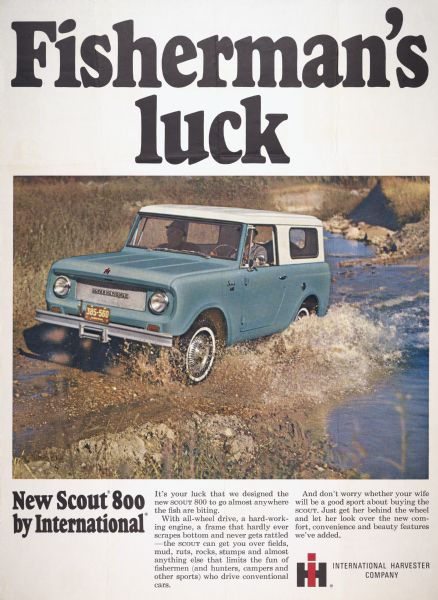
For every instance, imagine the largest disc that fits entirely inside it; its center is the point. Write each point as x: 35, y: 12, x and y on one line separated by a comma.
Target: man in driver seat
x: 176, y: 238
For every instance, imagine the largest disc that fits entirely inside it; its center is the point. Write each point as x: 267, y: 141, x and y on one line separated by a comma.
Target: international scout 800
x: 196, y: 278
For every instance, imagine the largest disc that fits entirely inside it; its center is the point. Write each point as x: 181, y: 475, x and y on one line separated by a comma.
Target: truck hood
x: 139, y: 267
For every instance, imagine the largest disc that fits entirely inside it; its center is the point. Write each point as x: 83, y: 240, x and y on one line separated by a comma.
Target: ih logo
x: 311, y: 574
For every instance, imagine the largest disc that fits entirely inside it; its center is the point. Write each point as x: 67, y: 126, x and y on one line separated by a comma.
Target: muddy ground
x: 105, y: 417
x: 96, y: 412
x: 114, y: 424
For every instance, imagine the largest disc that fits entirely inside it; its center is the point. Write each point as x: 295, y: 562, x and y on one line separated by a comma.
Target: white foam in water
x: 315, y: 361
x: 412, y: 324
x: 421, y: 340
x: 401, y: 300
x: 318, y: 359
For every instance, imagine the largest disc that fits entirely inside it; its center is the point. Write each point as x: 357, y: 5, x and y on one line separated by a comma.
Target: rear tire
x: 308, y: 307
x: 302, y: 313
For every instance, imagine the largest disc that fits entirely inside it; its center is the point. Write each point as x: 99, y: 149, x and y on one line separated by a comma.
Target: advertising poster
x: 217, y: 299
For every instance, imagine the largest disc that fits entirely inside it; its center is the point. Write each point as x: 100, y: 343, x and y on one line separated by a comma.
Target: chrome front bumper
x: 104, y: 333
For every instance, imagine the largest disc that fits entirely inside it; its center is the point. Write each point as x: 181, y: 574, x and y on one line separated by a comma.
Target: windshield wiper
x: 195, y: 252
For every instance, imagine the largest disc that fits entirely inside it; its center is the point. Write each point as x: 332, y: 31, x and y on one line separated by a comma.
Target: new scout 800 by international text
x: 195, y: 277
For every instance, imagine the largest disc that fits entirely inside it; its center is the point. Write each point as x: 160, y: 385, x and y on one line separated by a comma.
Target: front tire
x: 198, y: 348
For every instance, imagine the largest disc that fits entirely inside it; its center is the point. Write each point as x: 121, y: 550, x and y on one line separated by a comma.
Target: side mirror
x: 251, y: 265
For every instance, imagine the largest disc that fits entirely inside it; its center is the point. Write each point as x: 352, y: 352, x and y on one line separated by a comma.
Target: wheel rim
x: 200, y: 354
x: 303, y: 312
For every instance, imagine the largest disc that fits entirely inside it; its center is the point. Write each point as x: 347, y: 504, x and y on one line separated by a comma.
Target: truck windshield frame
x: 178, y: 234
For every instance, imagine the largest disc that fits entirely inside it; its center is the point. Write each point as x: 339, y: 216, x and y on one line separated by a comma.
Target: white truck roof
x: 224, y: 213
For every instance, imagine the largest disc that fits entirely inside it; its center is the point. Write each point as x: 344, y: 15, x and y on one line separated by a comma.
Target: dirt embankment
x: 199, y: 445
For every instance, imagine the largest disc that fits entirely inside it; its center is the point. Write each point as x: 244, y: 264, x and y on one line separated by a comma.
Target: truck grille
x: 109, y: 294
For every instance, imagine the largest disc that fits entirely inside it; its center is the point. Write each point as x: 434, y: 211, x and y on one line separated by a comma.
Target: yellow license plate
x: 99, y: 314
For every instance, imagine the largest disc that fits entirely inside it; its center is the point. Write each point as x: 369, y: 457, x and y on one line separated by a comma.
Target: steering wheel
x: 224, y: 251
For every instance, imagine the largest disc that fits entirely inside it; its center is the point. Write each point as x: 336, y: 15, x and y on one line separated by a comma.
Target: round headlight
x: 62, y: 286
x: 158, y: 302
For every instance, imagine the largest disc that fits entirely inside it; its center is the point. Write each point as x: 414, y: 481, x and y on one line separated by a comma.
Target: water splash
x: 313, y: 361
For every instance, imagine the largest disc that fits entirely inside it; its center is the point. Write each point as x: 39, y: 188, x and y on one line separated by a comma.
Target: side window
x: 260, y: 246
x: 303, y: 242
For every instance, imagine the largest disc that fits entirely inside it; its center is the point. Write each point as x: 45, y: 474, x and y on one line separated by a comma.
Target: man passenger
x: 253, y: 251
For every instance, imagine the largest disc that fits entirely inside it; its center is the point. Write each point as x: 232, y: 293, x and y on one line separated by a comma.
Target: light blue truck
x: 195, y: 278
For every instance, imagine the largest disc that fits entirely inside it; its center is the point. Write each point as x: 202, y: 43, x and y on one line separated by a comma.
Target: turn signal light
x: 55, y: 309
x: 155, y: 328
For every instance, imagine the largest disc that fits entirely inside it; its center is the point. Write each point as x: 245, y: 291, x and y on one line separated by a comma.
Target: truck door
x: 263, y: 284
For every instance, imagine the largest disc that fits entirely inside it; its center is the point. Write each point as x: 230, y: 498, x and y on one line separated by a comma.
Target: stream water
x: 384, y: 433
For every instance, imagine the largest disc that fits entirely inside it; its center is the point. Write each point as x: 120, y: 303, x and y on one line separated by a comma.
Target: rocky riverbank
x: 390, y: 245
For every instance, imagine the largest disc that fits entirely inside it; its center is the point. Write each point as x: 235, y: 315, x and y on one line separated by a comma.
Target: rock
x: 242, y: 448
x: 378, y: 235
x: 412, y: 240
x: 126, y: 470
x: 354, y: 233
x: 337, y: 224
x: 163, y: 431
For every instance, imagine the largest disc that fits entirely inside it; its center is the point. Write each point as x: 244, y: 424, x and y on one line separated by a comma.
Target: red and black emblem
x: 312, y: 574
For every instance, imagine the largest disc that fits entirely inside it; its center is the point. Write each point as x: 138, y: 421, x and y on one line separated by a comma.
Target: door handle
x: 282, y: 277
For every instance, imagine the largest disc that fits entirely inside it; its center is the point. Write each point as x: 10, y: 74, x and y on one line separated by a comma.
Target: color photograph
x: 221, y: 327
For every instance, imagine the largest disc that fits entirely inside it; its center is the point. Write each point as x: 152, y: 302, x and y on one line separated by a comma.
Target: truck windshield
x: 213, y: 239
